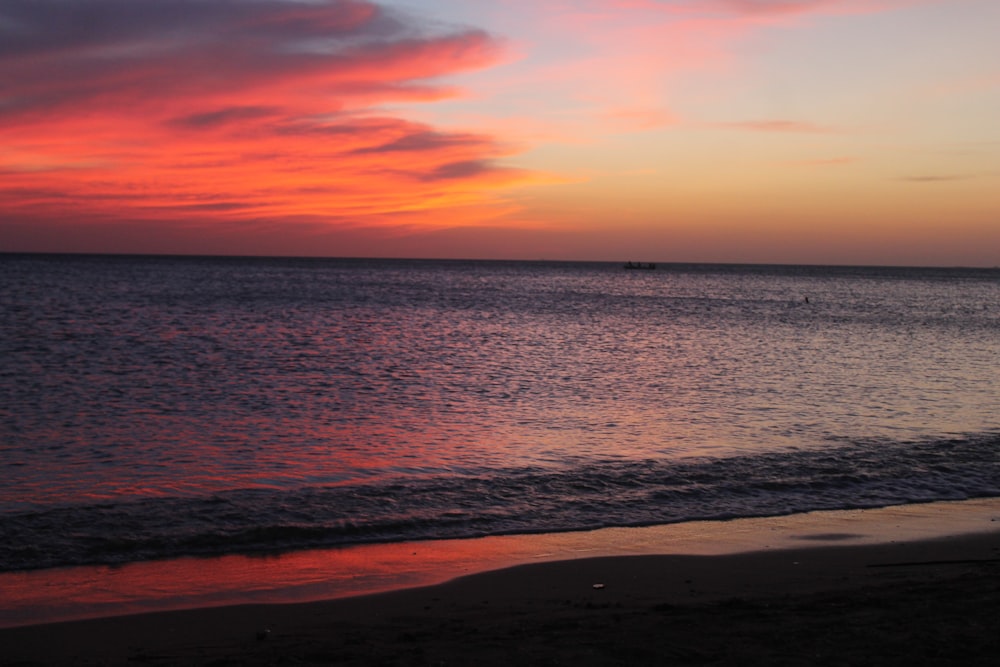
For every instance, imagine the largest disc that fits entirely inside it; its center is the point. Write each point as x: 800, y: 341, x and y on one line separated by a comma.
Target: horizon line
x: 658, y: 263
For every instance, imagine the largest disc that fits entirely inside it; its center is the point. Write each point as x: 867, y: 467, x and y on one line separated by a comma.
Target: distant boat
x: 639, y: 266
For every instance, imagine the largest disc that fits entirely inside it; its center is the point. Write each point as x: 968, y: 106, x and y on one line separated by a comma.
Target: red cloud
x: 262, y: 109
x: 125, y: 52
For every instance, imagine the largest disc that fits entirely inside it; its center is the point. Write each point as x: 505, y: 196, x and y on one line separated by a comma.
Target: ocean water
x: 153, y: 407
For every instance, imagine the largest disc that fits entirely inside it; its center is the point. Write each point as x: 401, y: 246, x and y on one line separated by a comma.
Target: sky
x: 752, y: 131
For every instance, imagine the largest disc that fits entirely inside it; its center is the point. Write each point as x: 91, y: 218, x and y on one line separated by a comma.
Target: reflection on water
x: 199, y: 405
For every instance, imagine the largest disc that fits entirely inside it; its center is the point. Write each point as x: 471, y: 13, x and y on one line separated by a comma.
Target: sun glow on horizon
x: 821, y: 131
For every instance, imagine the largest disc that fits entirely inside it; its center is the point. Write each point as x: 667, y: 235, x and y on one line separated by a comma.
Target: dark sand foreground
x: 914, y: 603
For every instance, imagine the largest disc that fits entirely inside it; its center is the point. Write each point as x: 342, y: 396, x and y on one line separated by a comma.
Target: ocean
x: 155, y: 407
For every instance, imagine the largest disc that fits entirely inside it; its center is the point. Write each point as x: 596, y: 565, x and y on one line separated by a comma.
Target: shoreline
x: 911, y: 602
x: 82, y: 593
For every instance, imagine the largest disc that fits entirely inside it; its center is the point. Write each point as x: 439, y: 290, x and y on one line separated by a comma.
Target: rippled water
x: 158, y: 406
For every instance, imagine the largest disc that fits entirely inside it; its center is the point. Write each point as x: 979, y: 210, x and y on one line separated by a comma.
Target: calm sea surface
x: 153, y: 407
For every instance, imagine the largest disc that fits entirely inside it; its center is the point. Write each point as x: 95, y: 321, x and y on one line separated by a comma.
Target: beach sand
x: 923, y: 602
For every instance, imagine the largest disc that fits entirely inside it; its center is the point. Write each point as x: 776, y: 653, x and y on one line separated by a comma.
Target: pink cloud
x: 777, y: 125
x: 763, y: 8
x: 641, y: 119
x: 262, y: 109
x: 598, y: 61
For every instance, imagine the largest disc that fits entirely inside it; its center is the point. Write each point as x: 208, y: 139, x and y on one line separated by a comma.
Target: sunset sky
x: 791, y: 131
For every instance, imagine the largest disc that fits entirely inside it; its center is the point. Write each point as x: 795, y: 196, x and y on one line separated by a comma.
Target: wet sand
x: 918, y: 602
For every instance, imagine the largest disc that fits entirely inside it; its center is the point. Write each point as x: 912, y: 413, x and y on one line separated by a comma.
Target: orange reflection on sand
x: 85, y: 592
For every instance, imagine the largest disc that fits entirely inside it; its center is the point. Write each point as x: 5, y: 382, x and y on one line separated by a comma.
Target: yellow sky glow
x: 812, y: 131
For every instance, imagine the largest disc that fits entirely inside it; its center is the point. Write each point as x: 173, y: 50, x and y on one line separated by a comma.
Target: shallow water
x: 153, y: 407
x: 58, y: 594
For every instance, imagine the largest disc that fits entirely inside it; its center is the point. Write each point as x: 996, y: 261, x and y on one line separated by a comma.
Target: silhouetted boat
x: 634, y: 266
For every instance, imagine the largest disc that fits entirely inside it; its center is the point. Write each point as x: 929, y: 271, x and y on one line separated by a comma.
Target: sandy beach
x: 900, y: 602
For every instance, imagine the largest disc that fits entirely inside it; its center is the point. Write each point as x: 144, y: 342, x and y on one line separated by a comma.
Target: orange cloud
x: 264, y: 110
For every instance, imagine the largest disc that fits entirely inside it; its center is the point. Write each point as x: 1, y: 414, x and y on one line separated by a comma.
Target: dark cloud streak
x: 31, y: 27
x: 464, y: 169
x: 103, y: 54
x: 424, y: 141
x: 221, y: 117
x: 932, y: 178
